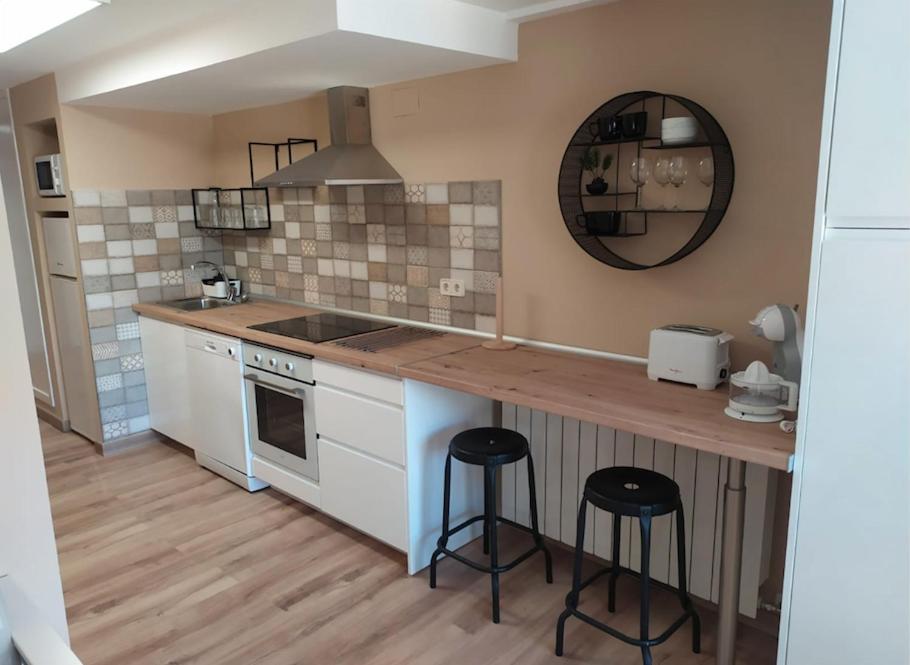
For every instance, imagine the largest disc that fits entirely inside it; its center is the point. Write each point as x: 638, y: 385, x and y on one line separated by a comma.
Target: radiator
x: 566, y: 451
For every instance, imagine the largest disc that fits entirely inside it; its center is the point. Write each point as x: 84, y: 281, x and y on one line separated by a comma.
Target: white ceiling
x: 527, y: 10
x: 210, y: 56
x: 108, y: 27
x: 290, y: 72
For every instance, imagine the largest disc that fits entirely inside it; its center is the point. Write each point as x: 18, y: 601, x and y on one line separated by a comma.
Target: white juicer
x: 759, y: 396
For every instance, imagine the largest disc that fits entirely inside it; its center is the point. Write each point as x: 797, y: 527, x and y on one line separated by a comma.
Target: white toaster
x: 689, y: 354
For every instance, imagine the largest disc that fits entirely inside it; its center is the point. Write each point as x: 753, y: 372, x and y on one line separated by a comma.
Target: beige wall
x: 304, y: 118
x: 113, y: 148
x: 758, y: 67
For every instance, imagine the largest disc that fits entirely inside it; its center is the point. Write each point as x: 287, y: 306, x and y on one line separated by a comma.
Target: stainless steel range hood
x: 351, y: 159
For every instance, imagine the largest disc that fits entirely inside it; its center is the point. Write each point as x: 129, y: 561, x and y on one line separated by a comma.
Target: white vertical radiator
x: 566, y: 451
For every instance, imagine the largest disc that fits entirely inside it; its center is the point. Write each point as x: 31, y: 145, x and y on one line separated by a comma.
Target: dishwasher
x: 219, y: 428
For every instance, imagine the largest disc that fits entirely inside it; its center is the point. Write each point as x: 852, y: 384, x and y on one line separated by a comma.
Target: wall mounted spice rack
x: 574, y: 203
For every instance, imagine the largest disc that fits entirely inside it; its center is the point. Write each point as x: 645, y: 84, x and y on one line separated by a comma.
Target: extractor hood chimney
x: 351, y: 159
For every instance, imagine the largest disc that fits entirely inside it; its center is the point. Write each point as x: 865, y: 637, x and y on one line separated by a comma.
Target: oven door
x: 282, y: 422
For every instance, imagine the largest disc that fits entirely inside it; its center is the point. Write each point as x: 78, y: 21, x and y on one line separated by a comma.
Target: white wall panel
x: 567, y: 451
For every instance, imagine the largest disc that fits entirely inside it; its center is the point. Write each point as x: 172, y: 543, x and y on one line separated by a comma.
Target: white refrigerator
x: 72, y: 342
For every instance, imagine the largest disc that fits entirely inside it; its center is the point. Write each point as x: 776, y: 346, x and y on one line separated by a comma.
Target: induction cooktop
x: 321, y: 327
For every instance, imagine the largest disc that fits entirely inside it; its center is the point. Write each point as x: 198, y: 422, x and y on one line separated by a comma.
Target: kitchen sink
x: 196, y: 304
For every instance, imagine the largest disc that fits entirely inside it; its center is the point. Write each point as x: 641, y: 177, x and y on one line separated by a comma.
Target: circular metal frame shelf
x: 571, y: 198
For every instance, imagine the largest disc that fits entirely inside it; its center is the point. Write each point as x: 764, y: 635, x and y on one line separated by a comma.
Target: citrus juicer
x: 758, y: 396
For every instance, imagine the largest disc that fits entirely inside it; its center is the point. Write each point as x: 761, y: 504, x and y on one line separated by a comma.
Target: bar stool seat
x: 491, y: 448
x: 624, y: 490
x: 642, y: 494
x: 488, y: 446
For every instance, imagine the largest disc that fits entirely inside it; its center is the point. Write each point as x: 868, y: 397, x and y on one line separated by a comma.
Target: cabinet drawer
x: 365, y: 493
x: 365, y: 424
x: 287, y: 482
x: 373, y: 385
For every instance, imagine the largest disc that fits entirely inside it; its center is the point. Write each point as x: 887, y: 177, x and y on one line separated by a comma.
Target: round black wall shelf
x: 621, y: 212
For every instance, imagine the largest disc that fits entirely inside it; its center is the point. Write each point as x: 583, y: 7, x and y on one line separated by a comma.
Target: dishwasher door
x: 218, y: 405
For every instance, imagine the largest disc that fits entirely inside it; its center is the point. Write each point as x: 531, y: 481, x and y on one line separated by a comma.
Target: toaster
x: 689, y: 354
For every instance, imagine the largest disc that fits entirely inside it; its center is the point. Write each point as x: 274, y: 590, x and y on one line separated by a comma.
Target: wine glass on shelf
x: 705, y: 173
x: 639, y: 173
x: 678, y: 172
x: 662, y: 175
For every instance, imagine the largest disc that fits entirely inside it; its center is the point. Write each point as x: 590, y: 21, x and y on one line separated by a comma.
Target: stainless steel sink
x: 197, y: 304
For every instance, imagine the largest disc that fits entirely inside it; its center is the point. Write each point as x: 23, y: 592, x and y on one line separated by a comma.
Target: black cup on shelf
x: 600, y: 222
x: 634, y: 125
x: 606, y: 129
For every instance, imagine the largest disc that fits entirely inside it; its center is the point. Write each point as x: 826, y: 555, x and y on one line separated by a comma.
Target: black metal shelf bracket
x: 276, y: 147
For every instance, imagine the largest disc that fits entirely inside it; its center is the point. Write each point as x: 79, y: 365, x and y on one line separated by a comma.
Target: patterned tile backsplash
x: 379, y: 248
x: 135, y: 246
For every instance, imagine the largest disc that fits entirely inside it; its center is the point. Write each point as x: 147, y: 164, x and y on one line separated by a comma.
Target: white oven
x: 279, y: 394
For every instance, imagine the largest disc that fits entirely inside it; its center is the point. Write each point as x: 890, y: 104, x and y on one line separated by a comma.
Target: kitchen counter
x: 235, y: 319
x: 606, y: 392
x: 611, y: 393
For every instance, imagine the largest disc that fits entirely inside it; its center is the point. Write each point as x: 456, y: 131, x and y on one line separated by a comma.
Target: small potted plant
x: 596, y: 166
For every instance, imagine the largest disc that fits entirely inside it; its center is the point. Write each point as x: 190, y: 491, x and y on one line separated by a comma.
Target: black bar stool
x: 643, y: 494
x: 491, y: 448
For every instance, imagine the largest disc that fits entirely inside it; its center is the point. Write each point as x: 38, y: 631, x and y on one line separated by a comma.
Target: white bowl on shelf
x: 678, y: 130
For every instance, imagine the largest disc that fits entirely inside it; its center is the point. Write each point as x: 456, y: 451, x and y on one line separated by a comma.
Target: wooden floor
x: 164, y: 562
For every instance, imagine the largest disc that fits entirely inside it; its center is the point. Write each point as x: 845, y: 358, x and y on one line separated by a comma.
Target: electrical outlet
x: 452, y: 287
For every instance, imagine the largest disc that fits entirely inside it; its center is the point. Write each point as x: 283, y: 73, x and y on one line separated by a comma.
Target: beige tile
x: 418, y: 313
x: 418, y: 276
x: 460, y: 192
x: 415, y: 214
x: 485, y: 303
x: 169, y: 246
x: 396, y: 274
x: 438, y: 215
x: 92, y: 250
x: 146, y: 263
x: 377, y: 272
x: 485, y: 260
x: 115, y: 215
x: 88, y: 216
x: 438, y: 257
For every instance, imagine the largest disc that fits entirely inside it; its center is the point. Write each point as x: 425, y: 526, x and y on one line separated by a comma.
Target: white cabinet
x: 368, y: 494
x: 215, y: 370
x: 360, y: 422
x: 167, y: 382
x: 373, y: 427
x: 850, y: 598
x: 847, y: 584
x: 869, y: 171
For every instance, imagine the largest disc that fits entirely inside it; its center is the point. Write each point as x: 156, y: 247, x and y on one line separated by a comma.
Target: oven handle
x: 255, y: 379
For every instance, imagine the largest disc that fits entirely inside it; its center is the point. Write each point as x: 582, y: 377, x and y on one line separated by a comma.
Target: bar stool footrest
x: 538, y: 547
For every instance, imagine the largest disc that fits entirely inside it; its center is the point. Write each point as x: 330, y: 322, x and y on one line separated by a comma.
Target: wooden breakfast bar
x: 619, y: 395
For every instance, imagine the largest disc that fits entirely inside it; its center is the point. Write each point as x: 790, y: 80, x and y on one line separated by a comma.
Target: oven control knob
x: 273, y: 362
x: 231, y: 352
x: 258, y: 358
x: 289, y: 367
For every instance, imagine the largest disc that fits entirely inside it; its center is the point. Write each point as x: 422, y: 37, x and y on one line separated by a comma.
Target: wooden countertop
x: 234, y: 321
x: 606, y: 392
x: 610, y: 393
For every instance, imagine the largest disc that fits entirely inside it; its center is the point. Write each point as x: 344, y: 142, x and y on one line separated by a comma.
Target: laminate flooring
x: 166, y: 563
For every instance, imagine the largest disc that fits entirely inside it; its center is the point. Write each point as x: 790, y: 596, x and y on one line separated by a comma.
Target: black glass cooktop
x: 321, y: 327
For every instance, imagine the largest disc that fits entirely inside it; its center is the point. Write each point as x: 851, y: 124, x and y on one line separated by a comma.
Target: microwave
x: 49, y: 175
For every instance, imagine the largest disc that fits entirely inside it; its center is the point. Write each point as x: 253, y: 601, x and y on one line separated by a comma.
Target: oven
x: 279, y: 394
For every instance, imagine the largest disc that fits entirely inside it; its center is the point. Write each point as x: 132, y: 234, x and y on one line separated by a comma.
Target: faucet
x: 232, y: 296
